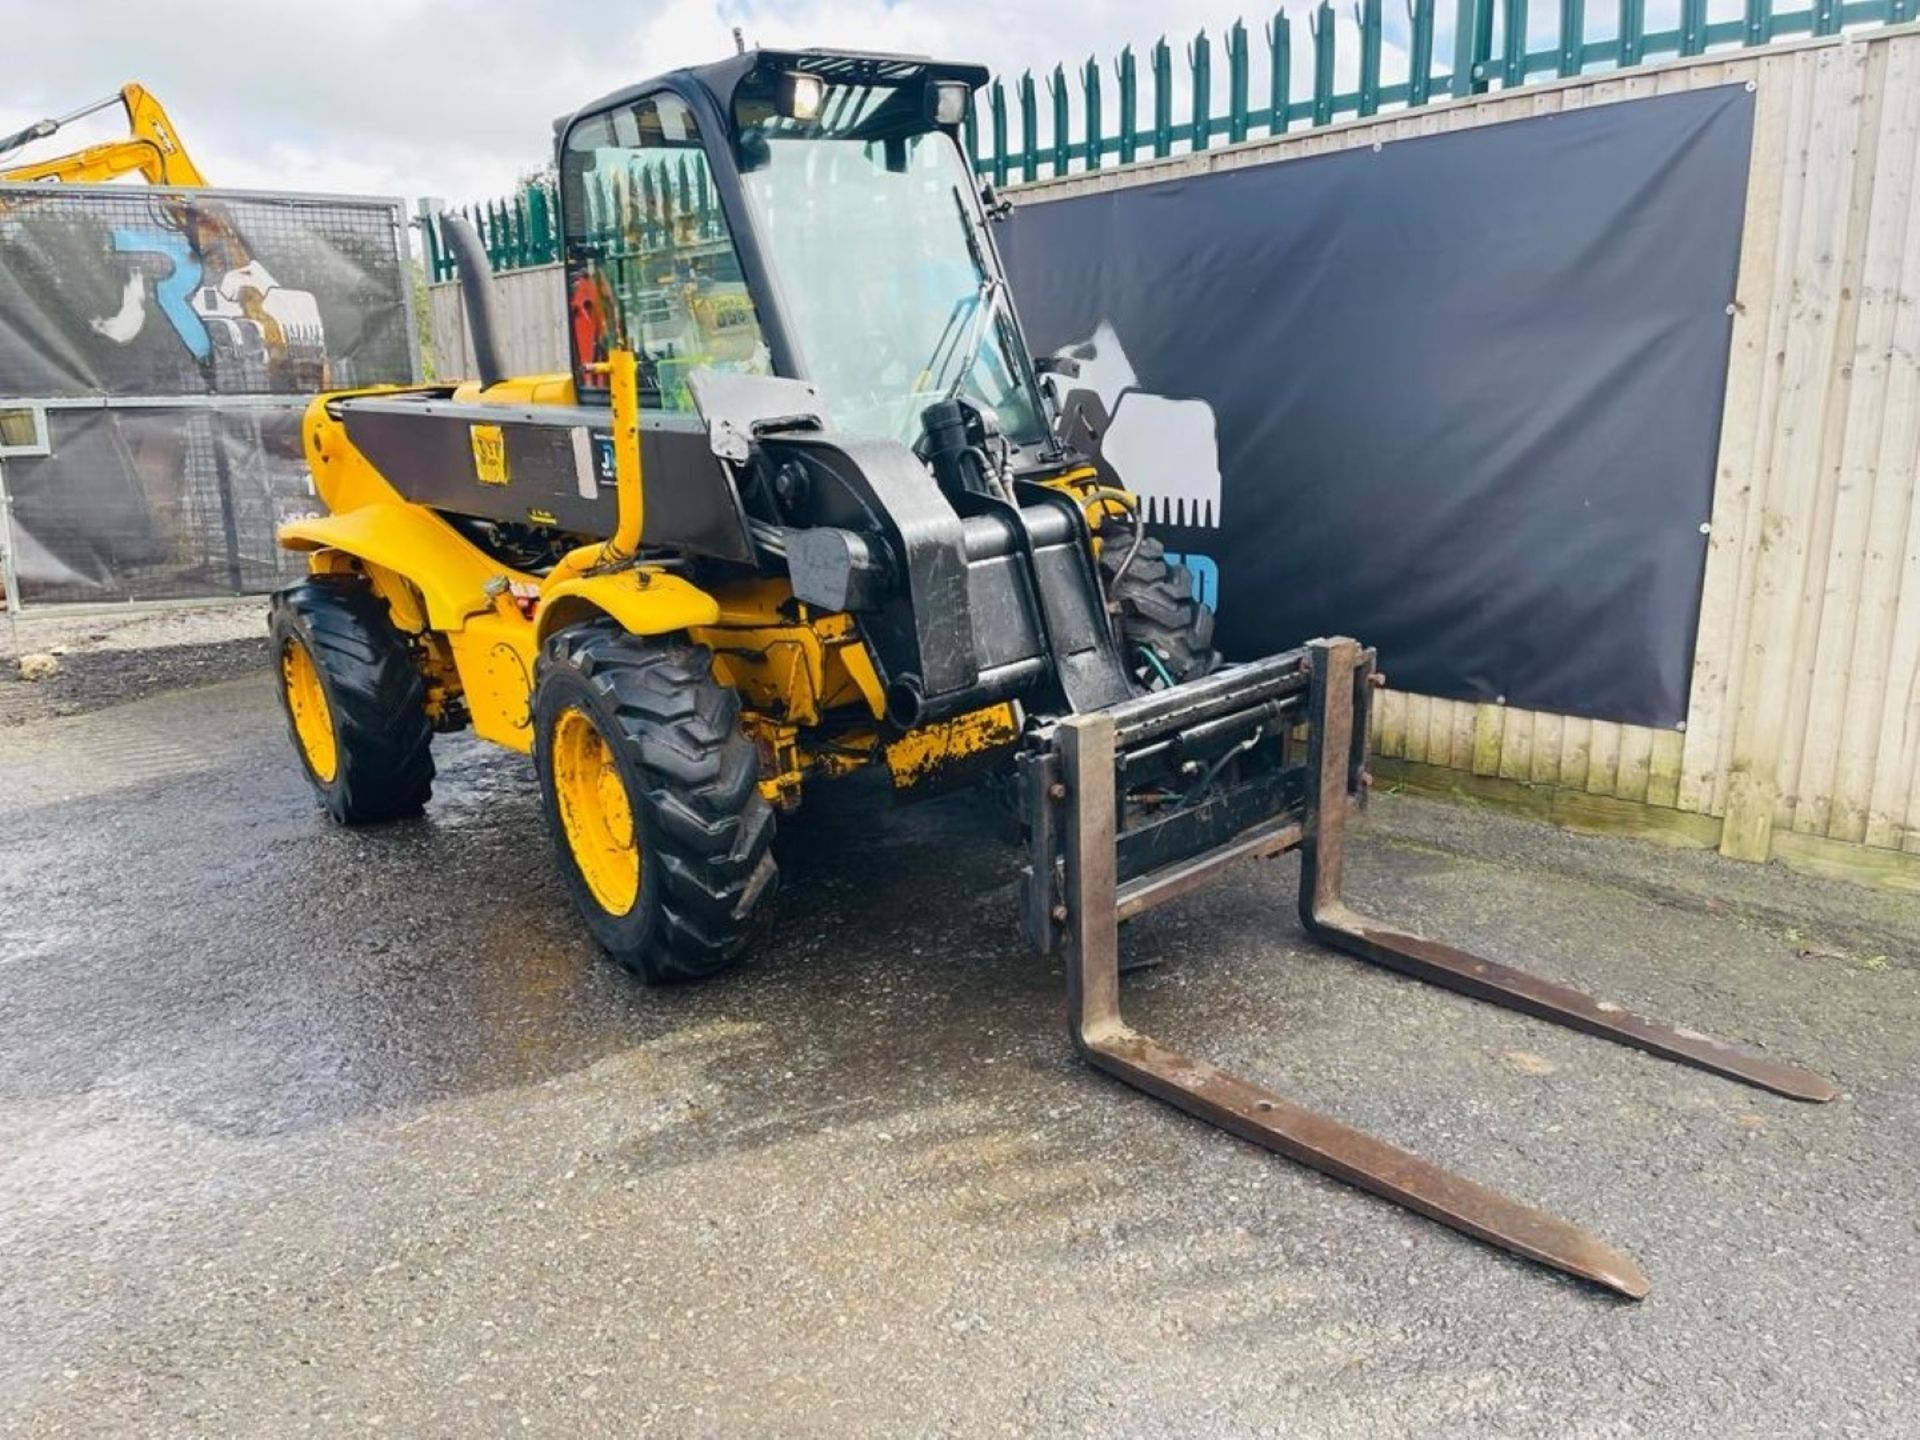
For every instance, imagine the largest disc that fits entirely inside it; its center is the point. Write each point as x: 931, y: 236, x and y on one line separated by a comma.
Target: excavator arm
x: 152, y: 147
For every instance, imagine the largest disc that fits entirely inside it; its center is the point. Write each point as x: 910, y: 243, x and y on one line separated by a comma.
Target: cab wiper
x: 941, y: 356
x: 961, y: 338
x: 981, y: 303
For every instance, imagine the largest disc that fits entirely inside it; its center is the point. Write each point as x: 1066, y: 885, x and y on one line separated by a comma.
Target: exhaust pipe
x: 476, y: 295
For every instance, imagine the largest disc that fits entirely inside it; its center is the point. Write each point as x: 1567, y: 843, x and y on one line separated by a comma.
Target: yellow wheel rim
x: 307, y: 704
x: 595, y: 813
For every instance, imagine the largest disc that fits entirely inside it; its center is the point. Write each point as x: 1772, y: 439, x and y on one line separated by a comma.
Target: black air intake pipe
x: 462, y: 241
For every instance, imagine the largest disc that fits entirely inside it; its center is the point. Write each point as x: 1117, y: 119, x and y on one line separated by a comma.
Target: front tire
x: 652, y: 794
x: 1166, y: 633
x: 354, y: 700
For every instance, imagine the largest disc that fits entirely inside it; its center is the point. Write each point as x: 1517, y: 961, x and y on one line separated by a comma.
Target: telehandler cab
x: 799, y: 509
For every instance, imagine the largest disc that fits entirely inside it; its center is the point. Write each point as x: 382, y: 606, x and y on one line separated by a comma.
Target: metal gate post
x: 9, y: 585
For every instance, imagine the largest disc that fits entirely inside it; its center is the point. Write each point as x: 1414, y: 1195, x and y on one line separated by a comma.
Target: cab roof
x: 836, y: 67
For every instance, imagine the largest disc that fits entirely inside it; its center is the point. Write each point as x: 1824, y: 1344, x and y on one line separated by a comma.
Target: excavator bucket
x: 1144, y: 801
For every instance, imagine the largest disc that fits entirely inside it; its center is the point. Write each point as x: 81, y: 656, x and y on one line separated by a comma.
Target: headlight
x: 801, y: 95
x: 947, y: 105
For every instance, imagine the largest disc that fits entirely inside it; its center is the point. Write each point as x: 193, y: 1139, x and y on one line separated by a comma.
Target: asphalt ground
x: 306, y: 1131
x: 103, y: 656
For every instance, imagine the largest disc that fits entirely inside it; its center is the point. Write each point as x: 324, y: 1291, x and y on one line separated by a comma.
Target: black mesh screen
x: 121, y: 290
x: 158, y: 504
x: 151, y: 297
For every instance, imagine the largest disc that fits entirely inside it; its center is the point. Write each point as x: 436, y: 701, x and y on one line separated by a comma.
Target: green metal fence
x: 519, y: 232
x: 1496, y: 44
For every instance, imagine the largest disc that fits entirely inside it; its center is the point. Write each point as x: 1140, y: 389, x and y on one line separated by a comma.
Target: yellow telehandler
x: 796, y: 509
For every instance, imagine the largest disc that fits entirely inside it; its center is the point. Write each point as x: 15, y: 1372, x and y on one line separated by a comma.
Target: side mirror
x: 751, y: 151
x: 1052, y: 371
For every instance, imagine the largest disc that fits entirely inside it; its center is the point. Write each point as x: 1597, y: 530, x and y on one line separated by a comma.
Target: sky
x: 456, y: 100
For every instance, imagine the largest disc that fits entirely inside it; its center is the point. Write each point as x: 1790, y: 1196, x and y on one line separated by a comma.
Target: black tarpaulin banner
x: 158, y: 503
x: 1459, y: 397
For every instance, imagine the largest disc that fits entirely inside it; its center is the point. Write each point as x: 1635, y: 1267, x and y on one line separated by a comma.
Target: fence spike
x: 1366, y: 15
x: 1693, y: 26
x: 430, y: 242
x: 1419, y: 52
x: 1473, y: 47
x: 1029, y: 129
x: 540, y: 213
x: 1323, y: 27
x: 1573, y: 36
x: 1513, y: 46
x: 1162, y: 98
x: 1237, y: 116
x: 997, y: 106
x: 1090, y: 101
x: 1280, y: 72
x: 1633, y: 32
x: 1062, y: 123
x: 1200, y: 69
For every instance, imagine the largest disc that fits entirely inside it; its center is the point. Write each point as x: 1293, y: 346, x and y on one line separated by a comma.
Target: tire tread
x: 375, y: 691
x: 709, y: 829
x: 1158, y: 610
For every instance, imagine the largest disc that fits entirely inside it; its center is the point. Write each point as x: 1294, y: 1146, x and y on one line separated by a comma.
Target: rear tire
x: 1159, y: 616
x: 354, y: 701
x: 652, y: 793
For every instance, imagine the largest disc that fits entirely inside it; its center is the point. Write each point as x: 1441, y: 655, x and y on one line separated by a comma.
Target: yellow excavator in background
x: 152, y: 147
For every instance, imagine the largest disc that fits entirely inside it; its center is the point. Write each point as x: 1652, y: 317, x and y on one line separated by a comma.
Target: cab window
x: 650, y: 262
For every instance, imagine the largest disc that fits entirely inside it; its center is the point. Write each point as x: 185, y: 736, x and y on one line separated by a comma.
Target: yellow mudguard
x: 412, y: 542
x: 647, y: 602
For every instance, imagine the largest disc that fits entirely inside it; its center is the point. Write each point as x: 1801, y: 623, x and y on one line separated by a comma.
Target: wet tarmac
x: 306, y: 1131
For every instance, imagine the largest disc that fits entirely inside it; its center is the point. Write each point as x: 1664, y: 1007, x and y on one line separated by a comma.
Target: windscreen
x: 892, y: 293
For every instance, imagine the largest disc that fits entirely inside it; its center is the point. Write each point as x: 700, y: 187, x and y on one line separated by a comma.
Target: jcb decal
x: 489, y: 454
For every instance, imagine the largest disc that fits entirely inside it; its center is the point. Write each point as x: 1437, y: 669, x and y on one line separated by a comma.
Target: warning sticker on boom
x: 489, y: 454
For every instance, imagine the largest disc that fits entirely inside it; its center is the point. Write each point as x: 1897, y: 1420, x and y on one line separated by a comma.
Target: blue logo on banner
x: 173, y: 289
x: 1206, y: 577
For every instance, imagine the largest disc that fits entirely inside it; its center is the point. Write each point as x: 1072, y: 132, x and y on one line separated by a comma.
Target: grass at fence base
x: 1605, y: 815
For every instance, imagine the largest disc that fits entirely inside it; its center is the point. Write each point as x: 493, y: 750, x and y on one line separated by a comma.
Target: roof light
x: 947, y: 104
x: 800, y: 95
